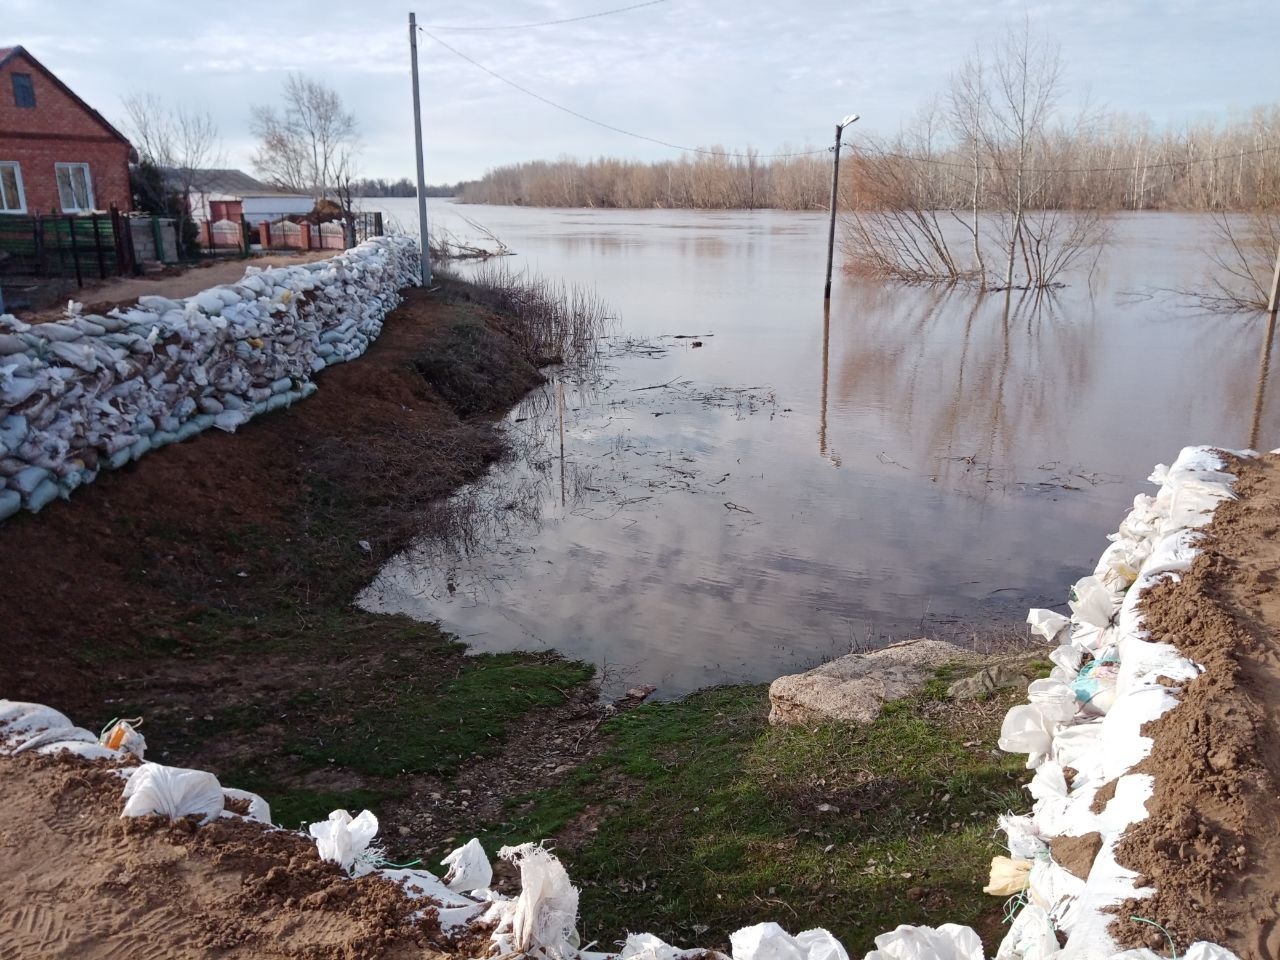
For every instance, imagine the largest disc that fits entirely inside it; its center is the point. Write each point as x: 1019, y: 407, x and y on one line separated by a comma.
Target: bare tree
x: 310, y: 142
x: 179, y: 143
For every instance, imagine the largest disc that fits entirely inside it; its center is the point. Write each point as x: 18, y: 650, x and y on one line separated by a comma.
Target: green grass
x: 706, y: 819
x: 416, y: 725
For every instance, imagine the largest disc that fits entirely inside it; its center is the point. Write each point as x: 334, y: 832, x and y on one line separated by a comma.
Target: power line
x: 548, y: 23
x: 609, y: 126
x: 937, y: 161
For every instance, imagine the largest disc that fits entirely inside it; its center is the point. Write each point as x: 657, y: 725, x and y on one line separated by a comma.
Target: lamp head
x: 851, y: 118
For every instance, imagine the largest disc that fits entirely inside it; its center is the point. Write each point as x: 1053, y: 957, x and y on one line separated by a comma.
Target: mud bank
x: 209, y: 586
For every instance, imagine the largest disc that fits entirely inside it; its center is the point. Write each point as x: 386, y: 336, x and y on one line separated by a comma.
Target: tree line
x: 1114, y: 162
x: 404, y: 187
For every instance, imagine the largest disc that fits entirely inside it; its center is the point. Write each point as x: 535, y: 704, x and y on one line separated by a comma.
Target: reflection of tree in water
x: 965, y: 376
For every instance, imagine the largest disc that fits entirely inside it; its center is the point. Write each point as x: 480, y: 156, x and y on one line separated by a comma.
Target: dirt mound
x: 1211, y: 845
x: 78, y: 881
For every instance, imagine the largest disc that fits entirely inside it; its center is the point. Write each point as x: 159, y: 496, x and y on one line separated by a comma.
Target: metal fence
x: 92, y: 246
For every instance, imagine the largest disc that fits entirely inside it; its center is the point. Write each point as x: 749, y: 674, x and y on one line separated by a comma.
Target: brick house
x: 57, y: 154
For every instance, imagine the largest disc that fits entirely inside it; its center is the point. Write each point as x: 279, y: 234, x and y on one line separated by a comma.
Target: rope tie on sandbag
x: 135, y: 722
x: 401, y: 866
x: 1173, y: 948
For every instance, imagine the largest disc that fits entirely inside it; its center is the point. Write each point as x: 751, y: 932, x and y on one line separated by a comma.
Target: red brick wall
x: 58, y: 130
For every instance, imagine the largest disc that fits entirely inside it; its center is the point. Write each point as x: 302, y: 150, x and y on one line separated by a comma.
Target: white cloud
x: 687, y: 71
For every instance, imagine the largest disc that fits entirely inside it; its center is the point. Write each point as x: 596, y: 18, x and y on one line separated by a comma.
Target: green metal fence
x: 90, y: 246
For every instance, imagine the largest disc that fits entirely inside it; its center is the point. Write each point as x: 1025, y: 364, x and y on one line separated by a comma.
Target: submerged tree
x: 1005, y: 166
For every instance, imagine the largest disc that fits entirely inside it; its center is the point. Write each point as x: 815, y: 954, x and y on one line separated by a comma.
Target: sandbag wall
x: 91, y: 392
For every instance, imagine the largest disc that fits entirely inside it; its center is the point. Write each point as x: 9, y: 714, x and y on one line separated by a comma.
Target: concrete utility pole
x: 835, y: 187
x: 417, y: 143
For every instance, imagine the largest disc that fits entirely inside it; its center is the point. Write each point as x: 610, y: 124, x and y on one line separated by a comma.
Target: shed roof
x: 232, y: 182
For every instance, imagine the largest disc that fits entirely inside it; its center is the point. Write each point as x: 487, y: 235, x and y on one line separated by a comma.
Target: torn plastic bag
x: 951, y: 941
x: 1095, y: 685
x: 645, y: 946
x: 346, y: 841
x: 172, y: 792
x: 1008, y: 876
x: 1023, y: 837
x: 469, y: 868
x: 1030, y: 937
x: 259, y: 809
x: 545, y: 914
x: 1093, y: 603
x: 123, y: 736
x: 1046, y: 623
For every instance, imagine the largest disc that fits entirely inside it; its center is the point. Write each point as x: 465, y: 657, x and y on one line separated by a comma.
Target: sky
x: 734, y: 73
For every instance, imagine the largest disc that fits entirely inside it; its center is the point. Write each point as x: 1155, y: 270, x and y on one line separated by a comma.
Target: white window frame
x: 22, y: 192
x: 88, y: 182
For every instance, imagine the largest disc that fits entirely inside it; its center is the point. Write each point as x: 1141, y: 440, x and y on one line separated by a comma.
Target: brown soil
x: 1211, y: 845
x: 1076, y: 854
x: 209, y: 587
x: 76, y: 881
x: 1104, y: 795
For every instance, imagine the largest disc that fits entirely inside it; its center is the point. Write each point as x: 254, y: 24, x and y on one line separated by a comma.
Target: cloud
x: 694, y: 72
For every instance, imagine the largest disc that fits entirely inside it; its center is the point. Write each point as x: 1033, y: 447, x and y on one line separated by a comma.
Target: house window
x: 12, y: 198
x: 75, y: 187
x: 24, y: 94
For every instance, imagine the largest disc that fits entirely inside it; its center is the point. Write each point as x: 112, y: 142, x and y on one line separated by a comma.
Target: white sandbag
x: 951, y: 941
x: 345, y: 840
x: 1047, y: 624
x: 259, y: 809
x: 469, y: 867
x: 28, y: 726
x: 172, y: 792
x: 1031, y: 936
x: 1200, y: 950
x: 81, y: 748
x: 1023, y: 839
x: 764, y: 941
x: 645, y: 946
x: 545, y: 914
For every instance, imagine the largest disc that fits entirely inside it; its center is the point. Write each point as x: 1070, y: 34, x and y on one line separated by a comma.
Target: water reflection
x: 672, y: 516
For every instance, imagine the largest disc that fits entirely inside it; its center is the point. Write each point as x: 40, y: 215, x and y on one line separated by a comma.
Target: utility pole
x: 835, y: 187
x: 417, y: 143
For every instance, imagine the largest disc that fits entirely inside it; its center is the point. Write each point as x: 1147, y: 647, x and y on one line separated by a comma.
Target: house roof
x: 9, y: 53
x: 234, y: 183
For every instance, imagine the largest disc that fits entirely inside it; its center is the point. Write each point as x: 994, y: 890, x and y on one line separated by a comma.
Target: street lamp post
x: 835, y: 187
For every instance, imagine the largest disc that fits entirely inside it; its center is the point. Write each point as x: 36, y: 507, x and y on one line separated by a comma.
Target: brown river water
x: 916, y: 461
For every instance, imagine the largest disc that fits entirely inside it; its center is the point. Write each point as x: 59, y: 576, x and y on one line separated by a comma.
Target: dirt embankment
x: 1211, y: 845
x: 78, y: 881
x: 209, y: 588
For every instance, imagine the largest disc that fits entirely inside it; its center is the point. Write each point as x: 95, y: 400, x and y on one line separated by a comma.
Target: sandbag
x: 469, y: 867
x: 345, y: 840
x: 172, y: 792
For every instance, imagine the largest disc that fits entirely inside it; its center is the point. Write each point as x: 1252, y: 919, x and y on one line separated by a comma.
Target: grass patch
x: 415, y: 724
x: 700, y: 818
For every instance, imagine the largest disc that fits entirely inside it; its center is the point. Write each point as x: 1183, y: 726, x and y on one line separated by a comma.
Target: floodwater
x: 806, y: 483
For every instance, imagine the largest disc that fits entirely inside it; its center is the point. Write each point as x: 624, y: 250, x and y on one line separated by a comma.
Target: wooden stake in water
x: 560, y: 404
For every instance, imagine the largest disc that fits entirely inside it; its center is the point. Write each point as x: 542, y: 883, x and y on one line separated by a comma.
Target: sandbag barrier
x: 1087, y: 715
x: 94, y: 392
